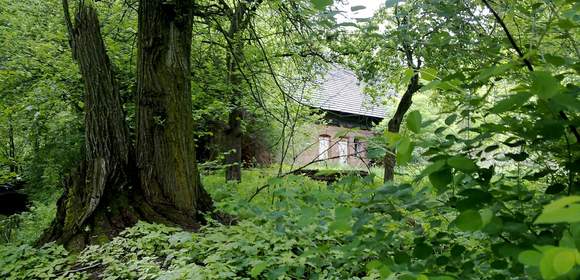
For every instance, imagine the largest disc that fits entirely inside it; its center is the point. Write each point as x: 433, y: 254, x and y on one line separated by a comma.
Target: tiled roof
x: 341, y: 91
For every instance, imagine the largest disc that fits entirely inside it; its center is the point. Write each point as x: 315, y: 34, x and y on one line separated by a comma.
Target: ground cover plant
x: 165, y: 147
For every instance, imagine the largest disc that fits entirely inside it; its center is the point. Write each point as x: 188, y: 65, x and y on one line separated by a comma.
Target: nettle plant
x: 512, y: 154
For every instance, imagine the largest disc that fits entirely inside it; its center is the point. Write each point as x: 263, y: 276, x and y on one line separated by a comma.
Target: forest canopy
x: 289, y: 139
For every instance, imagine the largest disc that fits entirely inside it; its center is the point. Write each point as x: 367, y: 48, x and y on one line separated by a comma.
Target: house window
x: 323, y: 146
x: 343, y: 151
x: 359, y: 148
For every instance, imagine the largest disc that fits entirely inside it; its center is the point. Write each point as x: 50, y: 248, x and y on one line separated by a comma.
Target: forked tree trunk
x: 165, y: 147
x: 104, y: 195
x: 394, y: 125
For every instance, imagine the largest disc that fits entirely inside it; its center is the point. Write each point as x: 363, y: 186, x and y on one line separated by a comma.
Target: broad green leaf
x: 321, y: 4
x: 555, y: 188
x: 555, y: 60
x: 530, y: 257
x: 451, y: 119
x: 462, y: 163
x: 357, y: 8
x: 258, y: 269
x: 511, y: 102
x: 376, y: 265
x: 544, y: 84
x: 392, y: 138
x: 563, y: 210
x: 422, y: 251
x: 414, y: 121
x: 407, y: 75
x: 434, y: 167
x: 342, y: 217
x: 556, y: 261
x: 428, y: 74
x: 347, y: 24
x: 564, y: 260
x: 440, y: 179
x: 343, y: 213
x: 486, y: 216
x: 404, y: 150
x: 469, y: 220
x: 485, y: 74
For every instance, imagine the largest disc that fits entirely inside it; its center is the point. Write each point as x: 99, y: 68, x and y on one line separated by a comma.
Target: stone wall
x: 310, y: 151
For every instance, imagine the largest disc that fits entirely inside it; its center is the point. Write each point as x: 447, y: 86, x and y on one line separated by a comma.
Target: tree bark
x: 11, y: 145
x: 233, y: 132
x: 165, y: 147
x: 107, y: 151
x: 105, y: 194
x: 239, y: 18
x: 394, y: 125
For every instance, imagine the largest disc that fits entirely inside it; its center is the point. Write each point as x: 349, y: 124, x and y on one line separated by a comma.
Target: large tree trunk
x: 104, y: 194
x: 104, y: 172
x: 165, y: 147
x: 394, y: 125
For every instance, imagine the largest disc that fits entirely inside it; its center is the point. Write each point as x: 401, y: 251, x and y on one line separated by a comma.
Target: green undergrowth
x: 298, y: 228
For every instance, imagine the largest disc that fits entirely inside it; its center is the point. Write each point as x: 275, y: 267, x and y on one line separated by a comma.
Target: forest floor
x: 293, y: 228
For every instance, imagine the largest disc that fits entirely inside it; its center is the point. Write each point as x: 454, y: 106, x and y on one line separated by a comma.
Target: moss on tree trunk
x: 112, y: 189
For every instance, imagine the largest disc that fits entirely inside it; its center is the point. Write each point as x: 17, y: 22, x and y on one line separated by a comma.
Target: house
x: 341, y: 139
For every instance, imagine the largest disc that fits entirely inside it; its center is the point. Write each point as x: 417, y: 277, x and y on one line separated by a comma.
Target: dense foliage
x: 488, y: 158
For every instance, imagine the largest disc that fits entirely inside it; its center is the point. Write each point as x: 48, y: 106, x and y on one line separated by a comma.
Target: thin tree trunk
x: 11, y: 145
x: 165, y: 147
x: 394, y: 125
x: 233, y: 132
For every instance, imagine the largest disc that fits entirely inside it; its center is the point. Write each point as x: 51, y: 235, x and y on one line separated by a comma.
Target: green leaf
x: 343, y: 213
x: 564, y: 260
x: 383, y: 270
x: 486, y: 216
x: 544, y: 84
x: 422, y: 251
x: 485, y: 74
x: 511, y: 102
x: 469, y: 220
x: 451, y: 119
x: 321, y: 4
x: 434, y: 167
x: 556, y: 261
x: 357, y: 8
x: 530, y: 257
x: 414, y: 121
x: 563, y: 210
x: 462, y: 163
x: 342, y: 217
x: 555, y: 188
x: 404, y: 150
x: 440, y: 179
x: 407, y: 76
x: 257, y: 269
x: 555, y: 60
x: 428, y: 74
